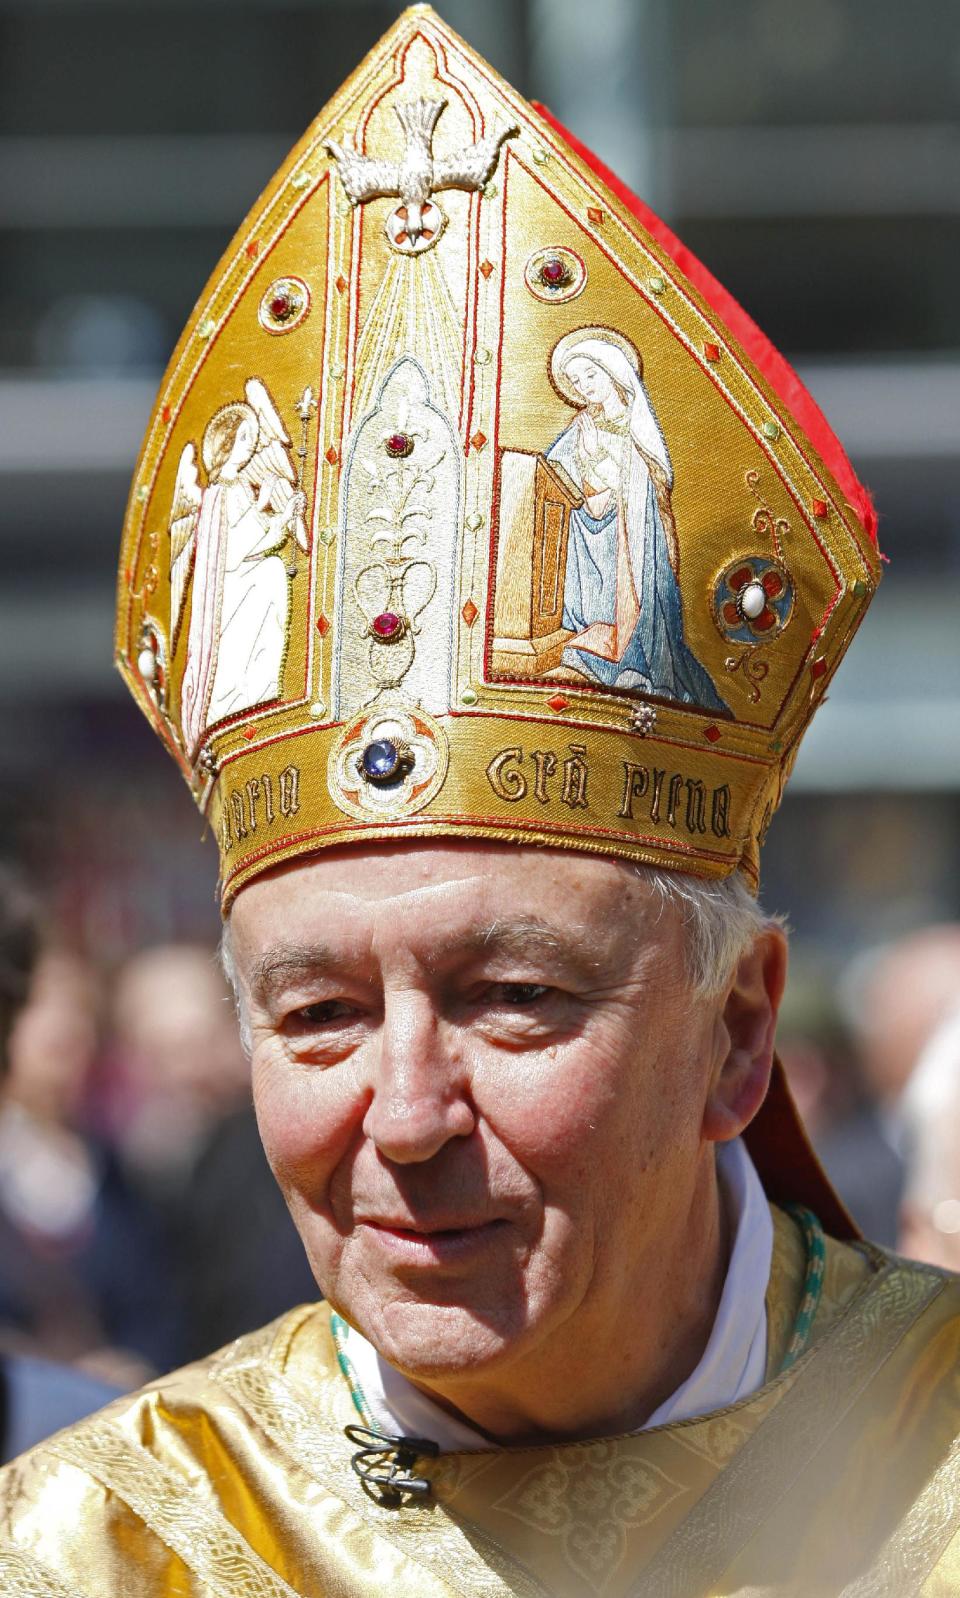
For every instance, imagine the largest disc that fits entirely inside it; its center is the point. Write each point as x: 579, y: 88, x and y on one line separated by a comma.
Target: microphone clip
x: 385, y: 1464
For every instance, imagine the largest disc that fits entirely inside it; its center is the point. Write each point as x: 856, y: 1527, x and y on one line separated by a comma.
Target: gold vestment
x: 232, y: 1478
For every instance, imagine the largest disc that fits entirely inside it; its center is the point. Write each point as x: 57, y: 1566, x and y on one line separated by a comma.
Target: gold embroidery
x: 918, y: 1542
x: 589, y: 1502
x: 22, y: 1576
x: 822, y: 1388
x: 429, y: 1535
x: 175, y: 1511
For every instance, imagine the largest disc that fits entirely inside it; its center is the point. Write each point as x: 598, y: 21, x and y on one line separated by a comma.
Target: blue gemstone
x: 381, y: 761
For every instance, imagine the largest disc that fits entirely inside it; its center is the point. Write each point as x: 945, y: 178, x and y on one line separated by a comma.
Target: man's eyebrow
x: 526, y: 938
x: 286, y: 960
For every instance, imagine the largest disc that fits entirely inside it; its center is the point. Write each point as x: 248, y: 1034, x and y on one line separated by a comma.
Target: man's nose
x: 420, y: 1098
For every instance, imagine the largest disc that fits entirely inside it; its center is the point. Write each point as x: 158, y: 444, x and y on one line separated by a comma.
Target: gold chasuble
x: 233, y: 1478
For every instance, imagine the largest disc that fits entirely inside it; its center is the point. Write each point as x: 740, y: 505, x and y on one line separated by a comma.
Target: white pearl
x: 147, y: 664
x: 753, y: 600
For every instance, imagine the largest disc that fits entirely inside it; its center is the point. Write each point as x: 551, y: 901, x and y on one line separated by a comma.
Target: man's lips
x: 418, y: 1243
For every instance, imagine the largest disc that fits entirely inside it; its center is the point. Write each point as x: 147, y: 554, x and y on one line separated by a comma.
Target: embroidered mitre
x: 472, y: 505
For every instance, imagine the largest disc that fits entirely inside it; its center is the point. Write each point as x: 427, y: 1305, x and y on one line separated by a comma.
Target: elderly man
x: 568, y: 557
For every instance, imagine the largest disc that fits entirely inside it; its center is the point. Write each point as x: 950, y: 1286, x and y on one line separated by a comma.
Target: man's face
x: 480, y: 1076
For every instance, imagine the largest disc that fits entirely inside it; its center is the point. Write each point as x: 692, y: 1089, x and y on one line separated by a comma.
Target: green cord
x: 816, y: 1252
x: 338, y: 1327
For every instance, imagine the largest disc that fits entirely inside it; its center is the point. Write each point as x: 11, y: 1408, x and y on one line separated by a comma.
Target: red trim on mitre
x: 768, y: 360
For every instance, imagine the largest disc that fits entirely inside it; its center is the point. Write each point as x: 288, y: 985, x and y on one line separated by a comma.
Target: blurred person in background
x: 187, y: 1135
x: 175, y: 1065
x: 822, y: 1064
x: 36, y: 1396
x: 893, y: 999
x: 85, y: 1276
x: 930, y: 1115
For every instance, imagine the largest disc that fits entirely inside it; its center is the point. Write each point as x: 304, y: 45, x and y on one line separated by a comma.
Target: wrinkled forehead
x: 428, y: 888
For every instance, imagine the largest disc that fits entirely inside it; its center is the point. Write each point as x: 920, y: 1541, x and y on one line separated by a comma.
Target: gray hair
x: 720, y: 921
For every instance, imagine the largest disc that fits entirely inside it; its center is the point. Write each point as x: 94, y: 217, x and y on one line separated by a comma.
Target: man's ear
x: 744, y: 1038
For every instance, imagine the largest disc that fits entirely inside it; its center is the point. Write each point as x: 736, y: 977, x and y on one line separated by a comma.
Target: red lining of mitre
x: 768, y: 360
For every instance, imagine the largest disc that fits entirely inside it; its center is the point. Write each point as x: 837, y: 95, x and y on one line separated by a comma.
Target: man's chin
x: 428, y: 1341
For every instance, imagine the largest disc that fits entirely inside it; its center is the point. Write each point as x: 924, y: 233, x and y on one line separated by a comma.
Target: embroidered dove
x: 418, y: 174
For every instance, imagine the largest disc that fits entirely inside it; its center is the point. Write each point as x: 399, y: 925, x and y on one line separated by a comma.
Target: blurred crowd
x: 140, y: 1226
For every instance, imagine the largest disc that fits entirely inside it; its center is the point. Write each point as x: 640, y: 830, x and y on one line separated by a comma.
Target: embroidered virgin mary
x: 621, y: 597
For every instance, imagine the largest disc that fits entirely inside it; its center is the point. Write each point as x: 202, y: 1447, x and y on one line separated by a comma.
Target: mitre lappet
x: 471, y: 505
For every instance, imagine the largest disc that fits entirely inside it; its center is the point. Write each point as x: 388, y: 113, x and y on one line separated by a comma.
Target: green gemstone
x: 771, y: 430
x: 469, y: 696
x: 658, y: 283
x: 860, y: 588
x: 327, y: 535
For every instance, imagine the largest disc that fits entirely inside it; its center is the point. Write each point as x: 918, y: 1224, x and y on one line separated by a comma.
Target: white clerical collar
x: 732, y: 1367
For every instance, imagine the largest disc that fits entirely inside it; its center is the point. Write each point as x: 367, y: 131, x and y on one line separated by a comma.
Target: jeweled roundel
x: 363, y: 779
x: 555, y: 273
x: 284, y: 305
x: 752, y: 600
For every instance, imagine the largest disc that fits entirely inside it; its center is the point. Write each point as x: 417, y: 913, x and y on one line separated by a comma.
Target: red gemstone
x: 323, y: 626
x: 818, y: 668
x: 558, y: 702
x: 281, y: 307
x: 478, y: 440
x: 399, y: 444
x: 711, y: 733
x: 469, y: 613
x: 387, y: 625
x: 594, y: 214
x: 772, y: 585
x: 486, y: 267
x: 553, y: 273
x: 712, y: 352
x: 820, y: 508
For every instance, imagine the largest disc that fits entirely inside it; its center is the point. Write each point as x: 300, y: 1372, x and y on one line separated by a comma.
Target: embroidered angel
x: 232, y: 535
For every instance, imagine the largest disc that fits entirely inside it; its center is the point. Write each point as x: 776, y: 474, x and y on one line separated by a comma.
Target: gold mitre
x: 472, y: 506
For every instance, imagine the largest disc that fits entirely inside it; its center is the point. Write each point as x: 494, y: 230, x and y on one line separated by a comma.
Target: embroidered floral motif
x: 591, y: 1507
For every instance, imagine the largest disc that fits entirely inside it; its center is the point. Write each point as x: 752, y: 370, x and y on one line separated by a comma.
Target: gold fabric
x: 232, y: 1478
x: 359, y: 508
